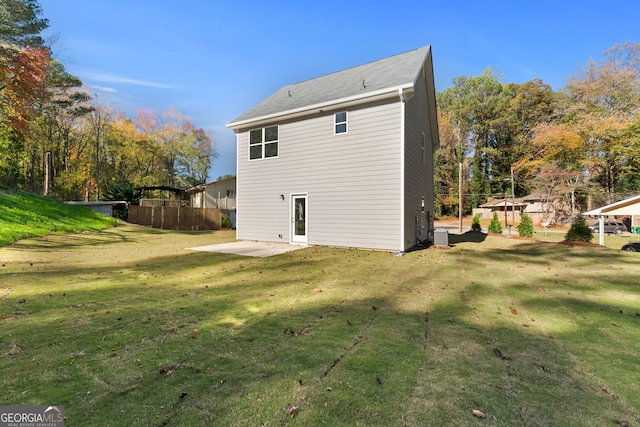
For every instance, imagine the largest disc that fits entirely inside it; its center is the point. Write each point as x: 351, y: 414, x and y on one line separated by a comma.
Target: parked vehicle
x: 632, y: 247
x: 616, y: 227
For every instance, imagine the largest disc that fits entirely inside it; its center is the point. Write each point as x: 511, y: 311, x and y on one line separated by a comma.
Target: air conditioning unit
x: 441, y: 237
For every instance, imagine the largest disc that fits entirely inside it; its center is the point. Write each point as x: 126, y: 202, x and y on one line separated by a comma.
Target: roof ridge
x: 357, y: 66
x: 362, y: 80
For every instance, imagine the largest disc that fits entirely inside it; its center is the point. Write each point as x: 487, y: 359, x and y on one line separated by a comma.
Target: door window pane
x: 300, y: 215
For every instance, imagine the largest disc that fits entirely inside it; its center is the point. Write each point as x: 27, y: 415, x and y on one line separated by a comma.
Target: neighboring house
x: 513, y: 207
x: 540, y: 210
x: 345, y: 159
x: 220, y: 194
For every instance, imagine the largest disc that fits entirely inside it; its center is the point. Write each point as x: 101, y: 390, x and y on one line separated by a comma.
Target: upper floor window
x: 341, y: 122
x: 424, y: 151
x: 263, y: 143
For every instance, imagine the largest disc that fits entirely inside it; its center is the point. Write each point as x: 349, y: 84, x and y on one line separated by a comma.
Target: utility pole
x: 506, y: 221
x: 513, y: 200
x: 460, y: 196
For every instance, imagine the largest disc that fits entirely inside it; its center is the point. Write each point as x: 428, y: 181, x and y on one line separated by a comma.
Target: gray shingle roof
x: 392, y: 72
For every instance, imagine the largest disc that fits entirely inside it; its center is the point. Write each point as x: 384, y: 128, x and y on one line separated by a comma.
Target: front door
x: 299, y: 219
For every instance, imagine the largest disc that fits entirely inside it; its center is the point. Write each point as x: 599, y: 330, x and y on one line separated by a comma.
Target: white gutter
x: 238, y: 198
x: 402, y: 160
x: 349, y: 101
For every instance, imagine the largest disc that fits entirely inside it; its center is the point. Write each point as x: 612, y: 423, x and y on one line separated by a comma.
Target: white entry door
x: 299, y: 218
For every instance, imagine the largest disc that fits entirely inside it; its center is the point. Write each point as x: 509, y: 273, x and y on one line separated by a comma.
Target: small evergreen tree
x: 525, y: 228
x: 475, y: 223
x: 494, y: 225
x: 579, y: 231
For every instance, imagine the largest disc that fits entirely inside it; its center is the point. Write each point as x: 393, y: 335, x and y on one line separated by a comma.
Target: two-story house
x: 345, y: 159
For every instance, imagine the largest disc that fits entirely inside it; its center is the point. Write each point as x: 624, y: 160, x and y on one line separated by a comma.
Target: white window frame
x: 263, y: 143
x: 336, y: 123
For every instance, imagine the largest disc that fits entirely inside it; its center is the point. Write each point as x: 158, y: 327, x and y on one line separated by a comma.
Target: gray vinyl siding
x: 352, y: 180
x: 418, y: 175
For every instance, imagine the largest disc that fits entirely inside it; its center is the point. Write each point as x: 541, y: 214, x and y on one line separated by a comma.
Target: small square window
x: 271, y: 134
x: 263, y: 143
x: 341, y: 122
x: 255, y: 136
x: 271, y: 150
x: 255, y: 144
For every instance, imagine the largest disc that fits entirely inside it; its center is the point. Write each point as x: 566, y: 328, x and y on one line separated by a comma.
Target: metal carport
x: 630, y: 206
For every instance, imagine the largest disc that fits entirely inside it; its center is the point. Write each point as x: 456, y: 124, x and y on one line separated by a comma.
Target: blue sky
x: 212, y: 60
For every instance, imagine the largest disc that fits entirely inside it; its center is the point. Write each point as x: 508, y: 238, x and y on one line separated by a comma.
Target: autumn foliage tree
x: 492, y: 123
x: 448, y: 159
x: 583, y: 139
x: 184, y: 151
x: 23, y: 61
x: 604, y: 108
x: 23, y: 66
x: 44, y: 110
x: 23, y: 72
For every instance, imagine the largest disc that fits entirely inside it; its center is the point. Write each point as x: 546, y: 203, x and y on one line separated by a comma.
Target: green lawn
x: 126, y: 327
x: 26, y: 215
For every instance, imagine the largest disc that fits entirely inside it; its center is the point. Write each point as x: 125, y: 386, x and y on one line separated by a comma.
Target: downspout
x: 402, y: 172
x: 237, y: 181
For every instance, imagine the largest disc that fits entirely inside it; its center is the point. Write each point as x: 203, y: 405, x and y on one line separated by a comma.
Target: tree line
x: 53, y: 127
x: 572, y: 148
x: 578, y: 145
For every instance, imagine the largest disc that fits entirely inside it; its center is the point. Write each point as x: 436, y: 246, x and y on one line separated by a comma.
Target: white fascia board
x: 378, y: 95
x: 622, y: 207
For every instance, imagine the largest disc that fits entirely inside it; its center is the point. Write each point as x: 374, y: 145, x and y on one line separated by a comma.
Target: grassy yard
x: 128, y: 328
x: 27, y: 215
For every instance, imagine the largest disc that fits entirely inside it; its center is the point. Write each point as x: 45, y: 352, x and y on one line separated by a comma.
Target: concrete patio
x: 250, y: 248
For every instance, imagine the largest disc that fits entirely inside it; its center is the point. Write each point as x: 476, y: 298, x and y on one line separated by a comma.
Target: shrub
x: 475, y: 223
x: 579, y: 231
x: 494, y: 225
x: 525, y: 228
x: 226, y: 222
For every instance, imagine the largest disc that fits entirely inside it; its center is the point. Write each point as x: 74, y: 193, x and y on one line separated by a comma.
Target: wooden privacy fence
x: 173, y: 218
